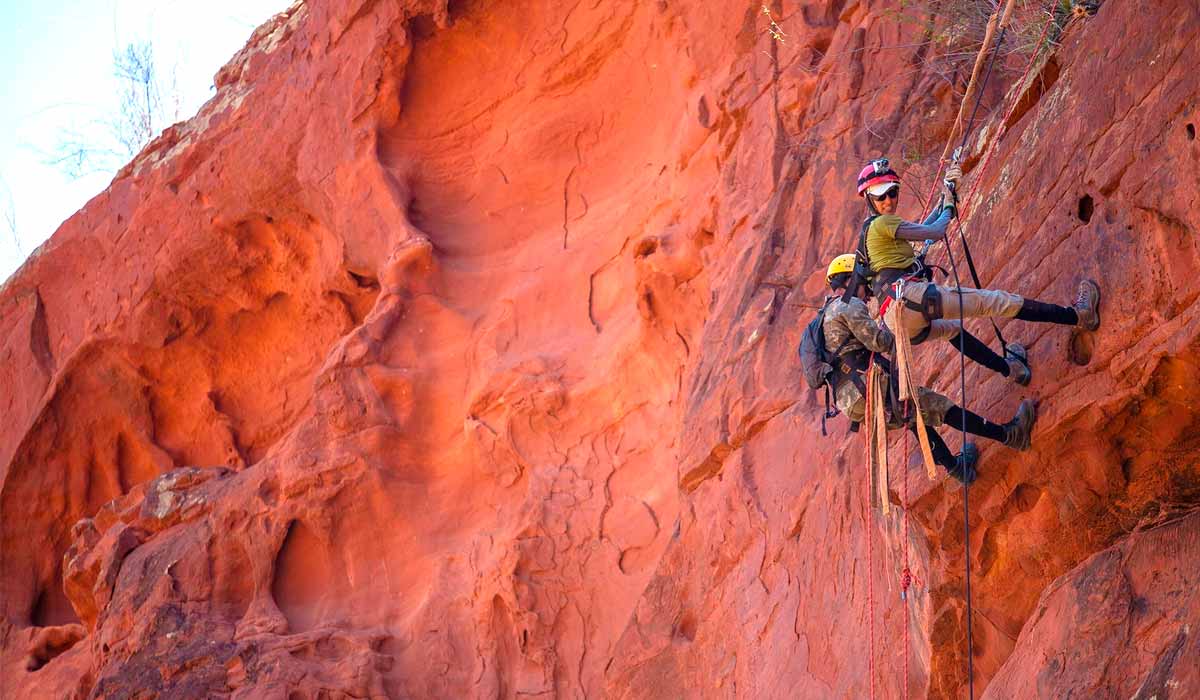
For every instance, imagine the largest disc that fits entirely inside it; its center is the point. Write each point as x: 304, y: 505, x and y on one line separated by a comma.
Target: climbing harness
x: 930, y: 306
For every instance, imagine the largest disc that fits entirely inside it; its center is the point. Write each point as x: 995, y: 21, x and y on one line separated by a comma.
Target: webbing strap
x: 876, y: 423
x: 908, y: 390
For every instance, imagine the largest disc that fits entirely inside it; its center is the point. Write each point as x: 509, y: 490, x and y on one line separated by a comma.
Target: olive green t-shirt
x: 884, y: 249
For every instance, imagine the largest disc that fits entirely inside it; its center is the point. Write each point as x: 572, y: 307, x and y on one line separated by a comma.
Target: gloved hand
x: 953, y: 174
x: 950, y: 188
x: 951, y: 179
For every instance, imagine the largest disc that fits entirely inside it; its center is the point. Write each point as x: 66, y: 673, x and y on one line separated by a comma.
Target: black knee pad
x: 931, y: 303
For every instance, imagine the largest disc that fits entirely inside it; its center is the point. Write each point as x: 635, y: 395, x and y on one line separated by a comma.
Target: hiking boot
x: 1018, y: 363
x: 964, y: 464
x: 1018, y: 432
x: 1087, y: 305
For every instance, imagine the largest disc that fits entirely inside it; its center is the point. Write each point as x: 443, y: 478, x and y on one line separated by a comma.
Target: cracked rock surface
x: 449, y: 351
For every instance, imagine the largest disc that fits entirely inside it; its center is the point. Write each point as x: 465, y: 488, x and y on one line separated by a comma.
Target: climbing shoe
x: 964, y: 464
x: 1018, y: 431
x: 1087, y: 305
x: 1018, y: 363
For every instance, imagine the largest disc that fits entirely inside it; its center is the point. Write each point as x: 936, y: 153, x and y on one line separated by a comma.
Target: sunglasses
x: 890, y: 194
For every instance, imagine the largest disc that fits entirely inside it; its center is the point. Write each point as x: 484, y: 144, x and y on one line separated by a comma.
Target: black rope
x: 962, y: 363
x: 962, y: 369
x: 978, y: 285
x: 987, y: 75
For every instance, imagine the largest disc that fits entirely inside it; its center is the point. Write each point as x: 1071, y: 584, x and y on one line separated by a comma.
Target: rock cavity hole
x: 687, y: 627
x: 645, y: 247
x: 52, y: 608
x: 1083, y: 344
x: 704, y: 116
x: 1191, y: 132
x: 304, y: 578
x: 1086, y: 207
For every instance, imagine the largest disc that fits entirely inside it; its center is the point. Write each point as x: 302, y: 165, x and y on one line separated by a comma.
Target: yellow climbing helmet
x: 840, y: 264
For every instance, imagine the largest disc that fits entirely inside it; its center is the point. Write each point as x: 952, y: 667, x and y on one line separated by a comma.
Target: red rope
x: 870, y: 530
x: 906, y: 574
x: 871, y: 584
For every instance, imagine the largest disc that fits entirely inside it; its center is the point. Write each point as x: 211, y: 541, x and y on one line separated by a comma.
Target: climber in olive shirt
x: 852, y: 335
x: 930, y: 311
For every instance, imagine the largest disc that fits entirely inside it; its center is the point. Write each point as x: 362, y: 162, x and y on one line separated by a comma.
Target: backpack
x: 815, y: 360
x: 818, y: 364
x: 862, y: 263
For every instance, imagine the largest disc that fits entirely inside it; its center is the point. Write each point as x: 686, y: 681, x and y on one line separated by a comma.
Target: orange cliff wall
x: 449, y: 352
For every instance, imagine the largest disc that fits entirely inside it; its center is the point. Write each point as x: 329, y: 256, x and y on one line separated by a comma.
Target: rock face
x: 449, y: 352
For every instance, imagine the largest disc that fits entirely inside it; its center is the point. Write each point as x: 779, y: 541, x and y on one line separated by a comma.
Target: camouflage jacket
x: 849, y: 328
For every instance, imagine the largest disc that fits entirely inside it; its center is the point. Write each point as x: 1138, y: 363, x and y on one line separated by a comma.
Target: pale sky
x: 56, y: 77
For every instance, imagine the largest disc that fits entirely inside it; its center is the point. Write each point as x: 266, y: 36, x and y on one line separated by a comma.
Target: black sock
x: 1041, y: 312
x: 941, y: 453
x: 976, y: 424
x: 978, y: 352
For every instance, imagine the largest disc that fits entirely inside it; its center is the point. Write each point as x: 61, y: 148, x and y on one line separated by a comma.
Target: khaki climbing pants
x: 976, y: 303
x: 933, y: 405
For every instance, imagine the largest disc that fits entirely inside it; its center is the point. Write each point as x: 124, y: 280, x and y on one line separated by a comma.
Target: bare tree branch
x: 142, y: 113
x: 8, y: 215
x: 140, y: 99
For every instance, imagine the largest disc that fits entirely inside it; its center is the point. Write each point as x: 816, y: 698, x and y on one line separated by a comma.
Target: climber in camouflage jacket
x: 852, y: 335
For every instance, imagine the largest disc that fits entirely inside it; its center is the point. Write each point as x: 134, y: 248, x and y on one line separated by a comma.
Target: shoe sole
x: 1023, y: 378
x: 970, y: 448
x: 1027, y: 425
x: 1011, y: 350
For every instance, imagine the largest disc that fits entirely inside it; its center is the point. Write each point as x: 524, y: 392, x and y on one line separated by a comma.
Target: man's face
x: 887, y: 202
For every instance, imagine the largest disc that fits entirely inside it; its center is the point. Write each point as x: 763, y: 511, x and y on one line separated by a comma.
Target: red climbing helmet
x: 877, y: 172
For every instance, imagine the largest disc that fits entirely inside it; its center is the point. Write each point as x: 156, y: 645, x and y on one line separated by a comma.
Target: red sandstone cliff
x: 449, y: 352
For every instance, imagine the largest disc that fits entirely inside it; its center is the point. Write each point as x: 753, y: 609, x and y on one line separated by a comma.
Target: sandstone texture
x: 449, y: 351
